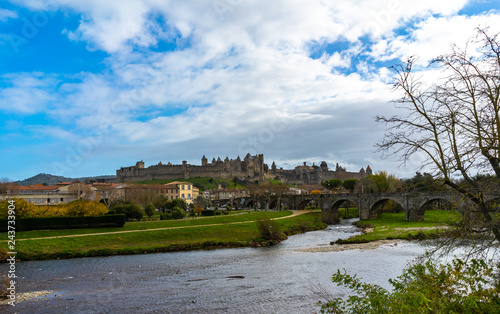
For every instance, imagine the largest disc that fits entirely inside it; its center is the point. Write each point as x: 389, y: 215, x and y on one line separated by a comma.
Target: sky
x: 87, y: 87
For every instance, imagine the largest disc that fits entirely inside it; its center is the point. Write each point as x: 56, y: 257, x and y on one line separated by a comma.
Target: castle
x: 250, y: 168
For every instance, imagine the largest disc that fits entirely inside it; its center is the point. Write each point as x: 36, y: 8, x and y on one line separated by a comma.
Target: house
x: 40, y: 194
x: 181, y: 190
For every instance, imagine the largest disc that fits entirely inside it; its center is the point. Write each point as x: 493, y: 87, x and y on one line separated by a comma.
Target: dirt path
x: 294, y: 213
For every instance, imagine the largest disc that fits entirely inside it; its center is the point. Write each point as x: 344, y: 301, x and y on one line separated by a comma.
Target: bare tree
x: 109, y: 194
x: 5, y: 185
x: 82, y: 191
x: 455, y: 122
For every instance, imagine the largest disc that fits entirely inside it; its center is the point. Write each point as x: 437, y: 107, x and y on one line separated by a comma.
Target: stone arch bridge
x: 413, y: 204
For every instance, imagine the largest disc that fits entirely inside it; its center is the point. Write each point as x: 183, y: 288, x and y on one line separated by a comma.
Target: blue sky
x: 87, y: 87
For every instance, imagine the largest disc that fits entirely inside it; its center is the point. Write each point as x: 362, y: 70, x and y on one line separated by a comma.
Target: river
x: 287, y: 278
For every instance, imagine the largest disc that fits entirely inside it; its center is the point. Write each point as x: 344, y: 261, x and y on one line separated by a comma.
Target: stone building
x: 315, y: 174
x: 251, y: 168
x: 39, y: 194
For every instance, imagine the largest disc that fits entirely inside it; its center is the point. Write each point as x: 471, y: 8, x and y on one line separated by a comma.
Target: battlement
x: 250, y: 168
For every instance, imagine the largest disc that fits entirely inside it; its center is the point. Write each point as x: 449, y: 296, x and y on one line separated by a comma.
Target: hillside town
x: 250, y: 173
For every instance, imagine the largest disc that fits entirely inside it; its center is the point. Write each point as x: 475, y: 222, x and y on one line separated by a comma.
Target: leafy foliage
x: 384, y: 182
x: 131, y: 210
x: 332, y: 184
x: 270, y: 230
x: 456, y: 287
x: 149, y: 210
x: 349, y: 184
x: 81, y: 208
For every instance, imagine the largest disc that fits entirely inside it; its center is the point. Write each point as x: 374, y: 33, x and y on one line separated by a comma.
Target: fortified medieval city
x: 250, y: 168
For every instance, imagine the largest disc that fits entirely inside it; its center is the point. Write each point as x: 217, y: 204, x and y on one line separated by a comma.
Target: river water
x: 287, y: 278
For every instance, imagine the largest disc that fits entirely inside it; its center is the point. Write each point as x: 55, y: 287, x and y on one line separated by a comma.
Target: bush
x: 131, y: 210
x: 149, y: 210
x: 229, y: 208
x: 85, y: 208
x: 208, y: 212
x: 456, y: 287
x: 26, y: 224
x: 178, y: 213
x: 165, y: 217
x: 270, y: 230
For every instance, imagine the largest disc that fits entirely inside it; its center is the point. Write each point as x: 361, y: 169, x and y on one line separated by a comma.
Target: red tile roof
x: 36, y: 187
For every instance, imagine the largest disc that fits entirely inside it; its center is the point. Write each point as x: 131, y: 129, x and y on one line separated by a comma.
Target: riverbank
x: 393, y: 226
x: 200, y: 234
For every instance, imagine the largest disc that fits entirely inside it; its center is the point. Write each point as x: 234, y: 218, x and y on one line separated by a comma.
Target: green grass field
x: 207, y: 233
x: 394, y: 226
x: 155, y: 224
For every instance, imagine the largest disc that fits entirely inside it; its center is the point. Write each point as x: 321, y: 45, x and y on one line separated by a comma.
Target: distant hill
x: 44, y: 178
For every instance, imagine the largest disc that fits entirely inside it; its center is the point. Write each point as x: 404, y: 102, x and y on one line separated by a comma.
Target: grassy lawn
x: 394, y: 226
x: 202, y: 237
x: 155, y: 224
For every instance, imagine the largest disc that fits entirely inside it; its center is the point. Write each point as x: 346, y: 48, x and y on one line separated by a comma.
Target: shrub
x: 229, y: 208
x: 456, y: 287
x: 131, y: 210
x: 178, y: 213
x: 84, y: 208
x: 75, y: 208
x: 26, y: 224
x: 270, y: 230
x: 208, y: 212
x: 149, y: 210
x: 165, y: 217
x: 23, y: 208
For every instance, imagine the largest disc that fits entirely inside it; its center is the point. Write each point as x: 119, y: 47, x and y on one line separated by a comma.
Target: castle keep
x: 251, y: 167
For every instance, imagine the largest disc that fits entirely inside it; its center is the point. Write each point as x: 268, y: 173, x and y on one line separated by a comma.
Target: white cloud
x: 6, y: 15
x: 240, y: 65
x: 28, y: 93
x: 434, y: 36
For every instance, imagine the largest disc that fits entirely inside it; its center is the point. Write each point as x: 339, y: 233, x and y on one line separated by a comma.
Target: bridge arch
x: 376, y: 207
x: 427, y: 204
x: 303, y: 204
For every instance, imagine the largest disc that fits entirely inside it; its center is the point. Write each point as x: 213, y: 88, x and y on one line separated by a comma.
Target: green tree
x: 149, y: 210
x: 332, y: 184
x: 384, y: 182
x: 202, y: 201
x: 349, y: 184
x: 177, y: 202
x: 161, y: 202
x: 131, y: 210
x: 178, y: 213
